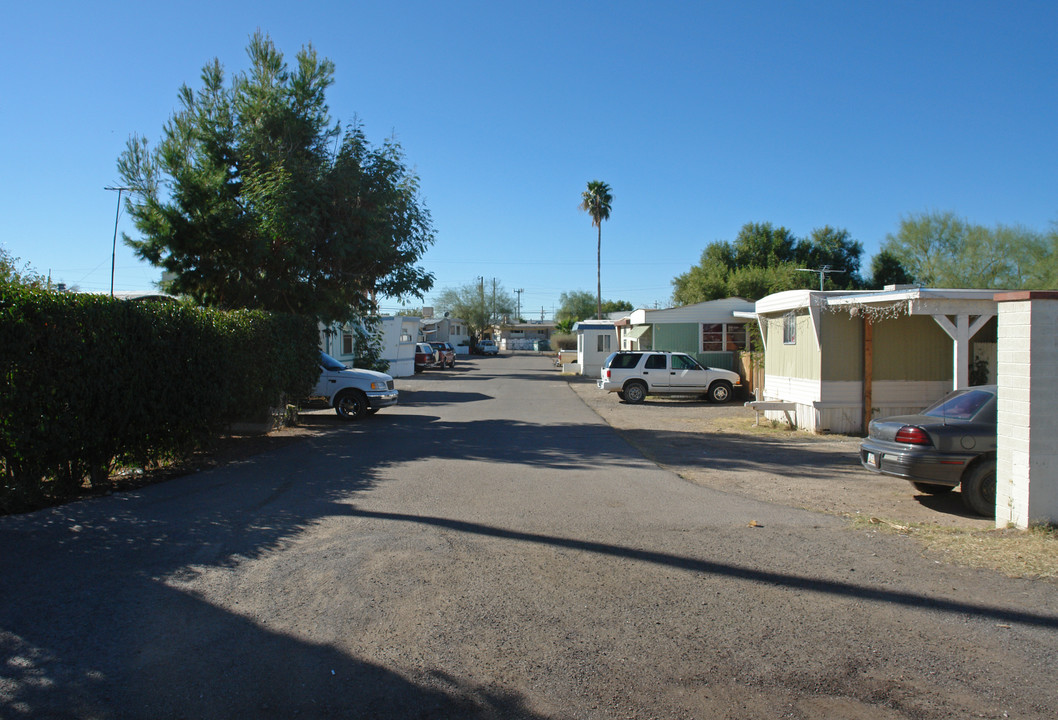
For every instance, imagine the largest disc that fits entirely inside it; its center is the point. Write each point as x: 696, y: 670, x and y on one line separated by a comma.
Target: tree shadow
x: 729, y: 570
x: 91, y: 626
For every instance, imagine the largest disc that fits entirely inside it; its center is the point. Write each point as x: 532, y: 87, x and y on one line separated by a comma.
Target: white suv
x: 634, y: 375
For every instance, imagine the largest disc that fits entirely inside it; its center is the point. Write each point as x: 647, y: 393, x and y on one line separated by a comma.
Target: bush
x: 89, y: 381
x: 560, y: 341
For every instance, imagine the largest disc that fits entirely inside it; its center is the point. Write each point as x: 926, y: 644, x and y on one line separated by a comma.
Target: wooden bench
x: 760, y: 406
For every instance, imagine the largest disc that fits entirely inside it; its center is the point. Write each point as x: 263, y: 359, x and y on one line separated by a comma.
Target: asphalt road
x: 491, y: 548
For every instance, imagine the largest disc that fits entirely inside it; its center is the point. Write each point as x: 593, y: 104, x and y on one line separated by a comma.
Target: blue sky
x: 702, y: 116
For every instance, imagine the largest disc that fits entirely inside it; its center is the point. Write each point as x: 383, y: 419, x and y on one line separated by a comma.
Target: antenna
x: 823, y: 272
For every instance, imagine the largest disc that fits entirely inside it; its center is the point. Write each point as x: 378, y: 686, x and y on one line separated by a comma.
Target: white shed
x: 596, y: 339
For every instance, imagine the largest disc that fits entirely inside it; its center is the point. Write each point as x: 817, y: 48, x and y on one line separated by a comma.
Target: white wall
x: 1027, y: 457
x: 589, y: 357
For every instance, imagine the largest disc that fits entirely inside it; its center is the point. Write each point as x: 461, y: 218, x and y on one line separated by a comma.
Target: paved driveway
x: 492, y: 549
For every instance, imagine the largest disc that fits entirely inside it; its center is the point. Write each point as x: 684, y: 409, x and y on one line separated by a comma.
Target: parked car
x: 425, y: 356
x: 634, y: 375
x: 950, y: 443
x: 354, y: 392
x: 446, y: 354
x: 487, y: 347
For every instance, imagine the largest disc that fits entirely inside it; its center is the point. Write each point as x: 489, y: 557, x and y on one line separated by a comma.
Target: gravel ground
x: 718, y: 446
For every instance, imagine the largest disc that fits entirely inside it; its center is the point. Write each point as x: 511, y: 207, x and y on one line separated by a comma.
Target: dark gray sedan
x: 950, y: 443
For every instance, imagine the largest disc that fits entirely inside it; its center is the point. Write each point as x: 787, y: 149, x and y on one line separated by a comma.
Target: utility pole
x: 519, y: 292
x: 114, y: 248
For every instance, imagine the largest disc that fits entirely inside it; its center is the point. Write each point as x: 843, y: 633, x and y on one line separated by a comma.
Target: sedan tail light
x: 913, y: 436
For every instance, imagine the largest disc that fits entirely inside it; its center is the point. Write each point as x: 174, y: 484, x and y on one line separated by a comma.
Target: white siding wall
x: 838, y: 406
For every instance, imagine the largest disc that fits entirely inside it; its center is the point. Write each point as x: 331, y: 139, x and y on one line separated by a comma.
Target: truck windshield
x: 330, y: 363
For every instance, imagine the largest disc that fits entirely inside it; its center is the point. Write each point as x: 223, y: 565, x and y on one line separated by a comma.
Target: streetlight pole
x: 114, y: 249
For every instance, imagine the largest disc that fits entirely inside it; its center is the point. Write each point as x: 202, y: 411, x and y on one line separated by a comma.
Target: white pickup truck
x: 634, y: 375
x: 352, y: 393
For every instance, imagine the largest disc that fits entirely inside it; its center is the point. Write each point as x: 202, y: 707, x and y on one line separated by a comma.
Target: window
x: 712, y: 337
x: 789, y: 329
x: 718, y: 337
x: 684, y: 362
x: 655, y: 362
x: 604, y: 343
x: 347, y: 342
x: 624, y: 361
x: 736, y: 336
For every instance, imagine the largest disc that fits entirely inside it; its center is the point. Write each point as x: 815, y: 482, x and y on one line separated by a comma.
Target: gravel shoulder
x: 718, y: 446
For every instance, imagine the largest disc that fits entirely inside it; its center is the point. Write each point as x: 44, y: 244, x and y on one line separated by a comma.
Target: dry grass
x: 1031, y: 553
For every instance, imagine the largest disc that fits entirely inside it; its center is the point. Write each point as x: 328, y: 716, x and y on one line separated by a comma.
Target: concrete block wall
x: 1027, y: 456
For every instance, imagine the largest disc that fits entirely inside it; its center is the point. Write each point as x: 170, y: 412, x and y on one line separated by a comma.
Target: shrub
x: 88, y: 381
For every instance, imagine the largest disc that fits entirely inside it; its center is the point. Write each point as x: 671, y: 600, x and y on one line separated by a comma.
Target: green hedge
x: 89, y: 381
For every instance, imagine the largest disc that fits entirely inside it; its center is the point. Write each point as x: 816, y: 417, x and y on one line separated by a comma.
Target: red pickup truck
x: 446, y: 354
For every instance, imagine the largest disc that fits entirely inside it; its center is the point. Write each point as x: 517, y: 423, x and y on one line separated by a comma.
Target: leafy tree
x: 939, y: 249
x: 765, y: 259
x: 761, y: 245
x: 479, y: 306
x: 368, y: 347
x: 580, y: 305
x: 596, y: 201
x: 254, y: 198
x: 887, y: 270
x: 612, y: 306
x: 575, y: 306
x: 12, y: 273
x: 835, y: 249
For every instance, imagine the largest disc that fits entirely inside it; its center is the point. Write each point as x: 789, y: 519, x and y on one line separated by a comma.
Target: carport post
x: 1026, y: 455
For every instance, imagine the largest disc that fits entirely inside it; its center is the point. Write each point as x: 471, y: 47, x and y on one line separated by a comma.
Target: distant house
x: 449, y: 330
x: 709, y: 331
x: 840, y: 358
x: 523, y: 336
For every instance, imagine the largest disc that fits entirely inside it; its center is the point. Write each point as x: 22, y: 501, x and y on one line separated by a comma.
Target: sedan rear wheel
x: 979, y: 488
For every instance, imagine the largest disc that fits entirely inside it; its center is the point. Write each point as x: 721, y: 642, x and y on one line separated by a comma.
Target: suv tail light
x: 607, y: 373
x: 912, y: 436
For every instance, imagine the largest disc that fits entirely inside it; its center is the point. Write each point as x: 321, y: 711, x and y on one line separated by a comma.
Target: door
x: 656, y: 371
x: 687, y: 373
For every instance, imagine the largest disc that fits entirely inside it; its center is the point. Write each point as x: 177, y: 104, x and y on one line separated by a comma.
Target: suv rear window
x: 656, y: 362
x: 624, y: 361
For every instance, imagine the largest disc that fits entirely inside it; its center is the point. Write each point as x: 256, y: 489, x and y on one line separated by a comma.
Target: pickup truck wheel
x: 635, y: 392
x: 351, y: 405
x: 979, y: 488
x: 720, y: 391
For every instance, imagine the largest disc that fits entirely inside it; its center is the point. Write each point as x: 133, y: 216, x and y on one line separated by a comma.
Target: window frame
x: 789, y: 328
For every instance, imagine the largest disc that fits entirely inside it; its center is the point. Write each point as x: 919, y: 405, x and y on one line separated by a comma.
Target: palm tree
x: 596, y: 202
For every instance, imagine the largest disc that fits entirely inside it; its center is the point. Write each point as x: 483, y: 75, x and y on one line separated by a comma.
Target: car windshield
x: 330, y: 363
x: 960, y: 405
